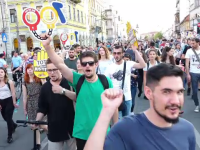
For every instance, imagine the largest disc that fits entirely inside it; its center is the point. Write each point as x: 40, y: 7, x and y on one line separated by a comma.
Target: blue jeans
x: 195, y: 79
x: 133, y: 94
x: 127, y: 109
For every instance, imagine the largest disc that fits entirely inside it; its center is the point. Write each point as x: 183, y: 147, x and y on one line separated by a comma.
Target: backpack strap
x: 147, y: 65
x: 79, y: 84
x: 104, y: 81
x: 8, y: 85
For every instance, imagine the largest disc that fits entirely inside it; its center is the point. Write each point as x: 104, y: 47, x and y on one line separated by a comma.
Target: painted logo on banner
x: 40, y: 69
x: 69, y: 39
x: 42, y: 24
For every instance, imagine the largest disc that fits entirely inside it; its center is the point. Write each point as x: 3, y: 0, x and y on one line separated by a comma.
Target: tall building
x: 75, y: 12
x: 96, y: 19
x: 177, y: 18
x: 195, y: 15
x: 114, y: 24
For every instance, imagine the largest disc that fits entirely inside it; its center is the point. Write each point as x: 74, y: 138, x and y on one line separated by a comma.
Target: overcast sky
x: 150, y: 15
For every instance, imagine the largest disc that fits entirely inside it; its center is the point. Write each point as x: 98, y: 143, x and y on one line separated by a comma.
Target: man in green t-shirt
x: 88, y: 103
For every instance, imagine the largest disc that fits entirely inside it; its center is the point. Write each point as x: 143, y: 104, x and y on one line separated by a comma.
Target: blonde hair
x: 106, y: 52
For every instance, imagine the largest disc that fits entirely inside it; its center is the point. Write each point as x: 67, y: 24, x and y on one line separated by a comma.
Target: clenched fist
x: 57, y: 89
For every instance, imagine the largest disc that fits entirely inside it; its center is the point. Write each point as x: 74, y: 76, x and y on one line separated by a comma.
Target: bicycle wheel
x: 18, y: 90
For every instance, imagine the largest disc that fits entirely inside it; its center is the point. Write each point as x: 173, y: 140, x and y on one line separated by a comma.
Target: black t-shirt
x: 59, y: 110
x: 136, y: 132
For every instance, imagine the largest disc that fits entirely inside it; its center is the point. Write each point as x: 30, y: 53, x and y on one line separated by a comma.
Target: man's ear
x: 148, y: 92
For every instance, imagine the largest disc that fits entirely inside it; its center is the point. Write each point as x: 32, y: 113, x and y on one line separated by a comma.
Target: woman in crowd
x: 167, y: 56
x: 31, y: 90
x: 7, y: 102
x: 153, y: 61
x: 104, y: 60
x: 79, y: 67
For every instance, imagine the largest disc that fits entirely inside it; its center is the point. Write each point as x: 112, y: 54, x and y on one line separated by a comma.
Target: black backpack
x: 102, y: 78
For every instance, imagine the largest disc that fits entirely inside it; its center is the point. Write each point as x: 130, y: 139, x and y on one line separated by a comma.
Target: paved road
x: 23, y: 138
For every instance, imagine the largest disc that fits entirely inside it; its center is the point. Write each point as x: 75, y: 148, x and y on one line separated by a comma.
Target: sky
x: 150, y: 15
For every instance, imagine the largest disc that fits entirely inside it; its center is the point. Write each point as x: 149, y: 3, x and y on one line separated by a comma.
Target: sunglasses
x: 90, y: 63
x: 52, y: 70
x: 117, y: 53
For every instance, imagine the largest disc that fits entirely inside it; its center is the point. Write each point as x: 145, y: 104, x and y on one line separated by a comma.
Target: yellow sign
x: 131, y: 35
x: 40, y: 65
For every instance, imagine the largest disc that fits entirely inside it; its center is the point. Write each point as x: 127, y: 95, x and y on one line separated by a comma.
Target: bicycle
x: 18, y: 84
x: 24, y: 124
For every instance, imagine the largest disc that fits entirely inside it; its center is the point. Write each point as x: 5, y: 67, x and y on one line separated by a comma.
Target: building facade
x: 22, y: 39
x: 96, y: 21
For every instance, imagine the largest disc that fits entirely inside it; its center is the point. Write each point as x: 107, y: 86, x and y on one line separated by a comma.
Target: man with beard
x: 72, y: 60
x: 55, y: 101
x: 115, y: 72
x: 88, y: 87
x: 77, y: 48
x: 158, y: 128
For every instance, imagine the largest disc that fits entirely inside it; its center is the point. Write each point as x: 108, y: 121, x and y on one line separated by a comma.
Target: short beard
x: 89, y: 77
x: 118, y: 60
x: 71, y: 56
x: 169, y: 120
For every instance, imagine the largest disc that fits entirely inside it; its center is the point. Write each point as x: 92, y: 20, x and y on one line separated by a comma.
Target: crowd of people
x: 89, y: 91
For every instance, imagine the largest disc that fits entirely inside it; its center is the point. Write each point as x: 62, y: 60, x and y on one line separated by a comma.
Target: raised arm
x: 111, y: 99
x: 141, y: 61
x: 57, y: 60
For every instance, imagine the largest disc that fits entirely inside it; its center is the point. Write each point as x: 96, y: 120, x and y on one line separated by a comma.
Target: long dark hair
x: 144, y: 56
x: 164, y: 56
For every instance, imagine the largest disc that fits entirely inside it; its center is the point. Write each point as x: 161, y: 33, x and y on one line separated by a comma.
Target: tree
x: 146, y: 37
x: 158, y: 35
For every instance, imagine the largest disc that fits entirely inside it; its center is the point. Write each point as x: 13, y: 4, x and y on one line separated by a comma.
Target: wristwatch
x: 63, y: 91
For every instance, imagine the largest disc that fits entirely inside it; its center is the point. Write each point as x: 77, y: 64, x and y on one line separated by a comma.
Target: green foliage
x: 158, y: 35
x: 146, y: 37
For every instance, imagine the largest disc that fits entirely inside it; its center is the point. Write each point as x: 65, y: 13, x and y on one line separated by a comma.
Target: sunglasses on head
x: 90, y: 63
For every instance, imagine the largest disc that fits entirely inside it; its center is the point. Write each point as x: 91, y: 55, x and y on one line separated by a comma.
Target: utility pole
x: 17, y: 28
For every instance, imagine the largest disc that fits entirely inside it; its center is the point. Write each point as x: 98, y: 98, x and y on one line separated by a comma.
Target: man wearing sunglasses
x: 116, y: 73
x: 88, y: 103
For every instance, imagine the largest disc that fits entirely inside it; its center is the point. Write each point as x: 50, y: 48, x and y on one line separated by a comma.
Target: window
x: 28, y: 16
x: 69, y: 7
x: 118, y: 18
x: 74, y: 14
x: 12, y: 15
x: 82, y: 17
x: 106, y: 32
x: 38, y: 8
x: 106, y: 22
x: 78, y: 15
x: 197, y: 3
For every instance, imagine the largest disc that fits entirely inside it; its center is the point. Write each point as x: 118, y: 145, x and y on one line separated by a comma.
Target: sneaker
x: 197, y: 109
x: 9, y: 139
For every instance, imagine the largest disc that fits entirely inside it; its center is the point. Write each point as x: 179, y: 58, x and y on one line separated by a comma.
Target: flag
x: 131, y: 35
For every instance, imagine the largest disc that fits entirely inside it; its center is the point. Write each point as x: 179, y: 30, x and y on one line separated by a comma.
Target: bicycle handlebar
x: 32, y: 122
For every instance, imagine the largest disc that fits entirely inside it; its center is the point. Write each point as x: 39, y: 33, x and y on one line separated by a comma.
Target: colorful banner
x: 40, y: 65
x: 131, y: 35
x: 69, y: 39
x: 42, y: 24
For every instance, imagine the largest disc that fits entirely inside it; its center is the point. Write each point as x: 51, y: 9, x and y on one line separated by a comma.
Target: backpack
x: 148, y: 64
x: 102, y: 78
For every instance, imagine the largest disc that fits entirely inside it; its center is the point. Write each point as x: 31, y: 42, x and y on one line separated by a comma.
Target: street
x: 23, y: 138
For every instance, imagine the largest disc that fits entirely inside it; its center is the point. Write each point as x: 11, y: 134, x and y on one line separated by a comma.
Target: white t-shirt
x: 150, y: 65
x: 194, y: 63
x: 103, y: 66
x: 115, y: 73
x: 2, y: 62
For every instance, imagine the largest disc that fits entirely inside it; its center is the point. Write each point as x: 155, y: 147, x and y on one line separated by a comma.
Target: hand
x: 134, y: 48
x: 188, y: 78
x: 33, y: 126
x: 0, y: 107
x: 111, y: 100
x: 134, y: 76
x: 15, y: 105
x: 13, y: 72
x: 57, y: 89
x: 46, y: 43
